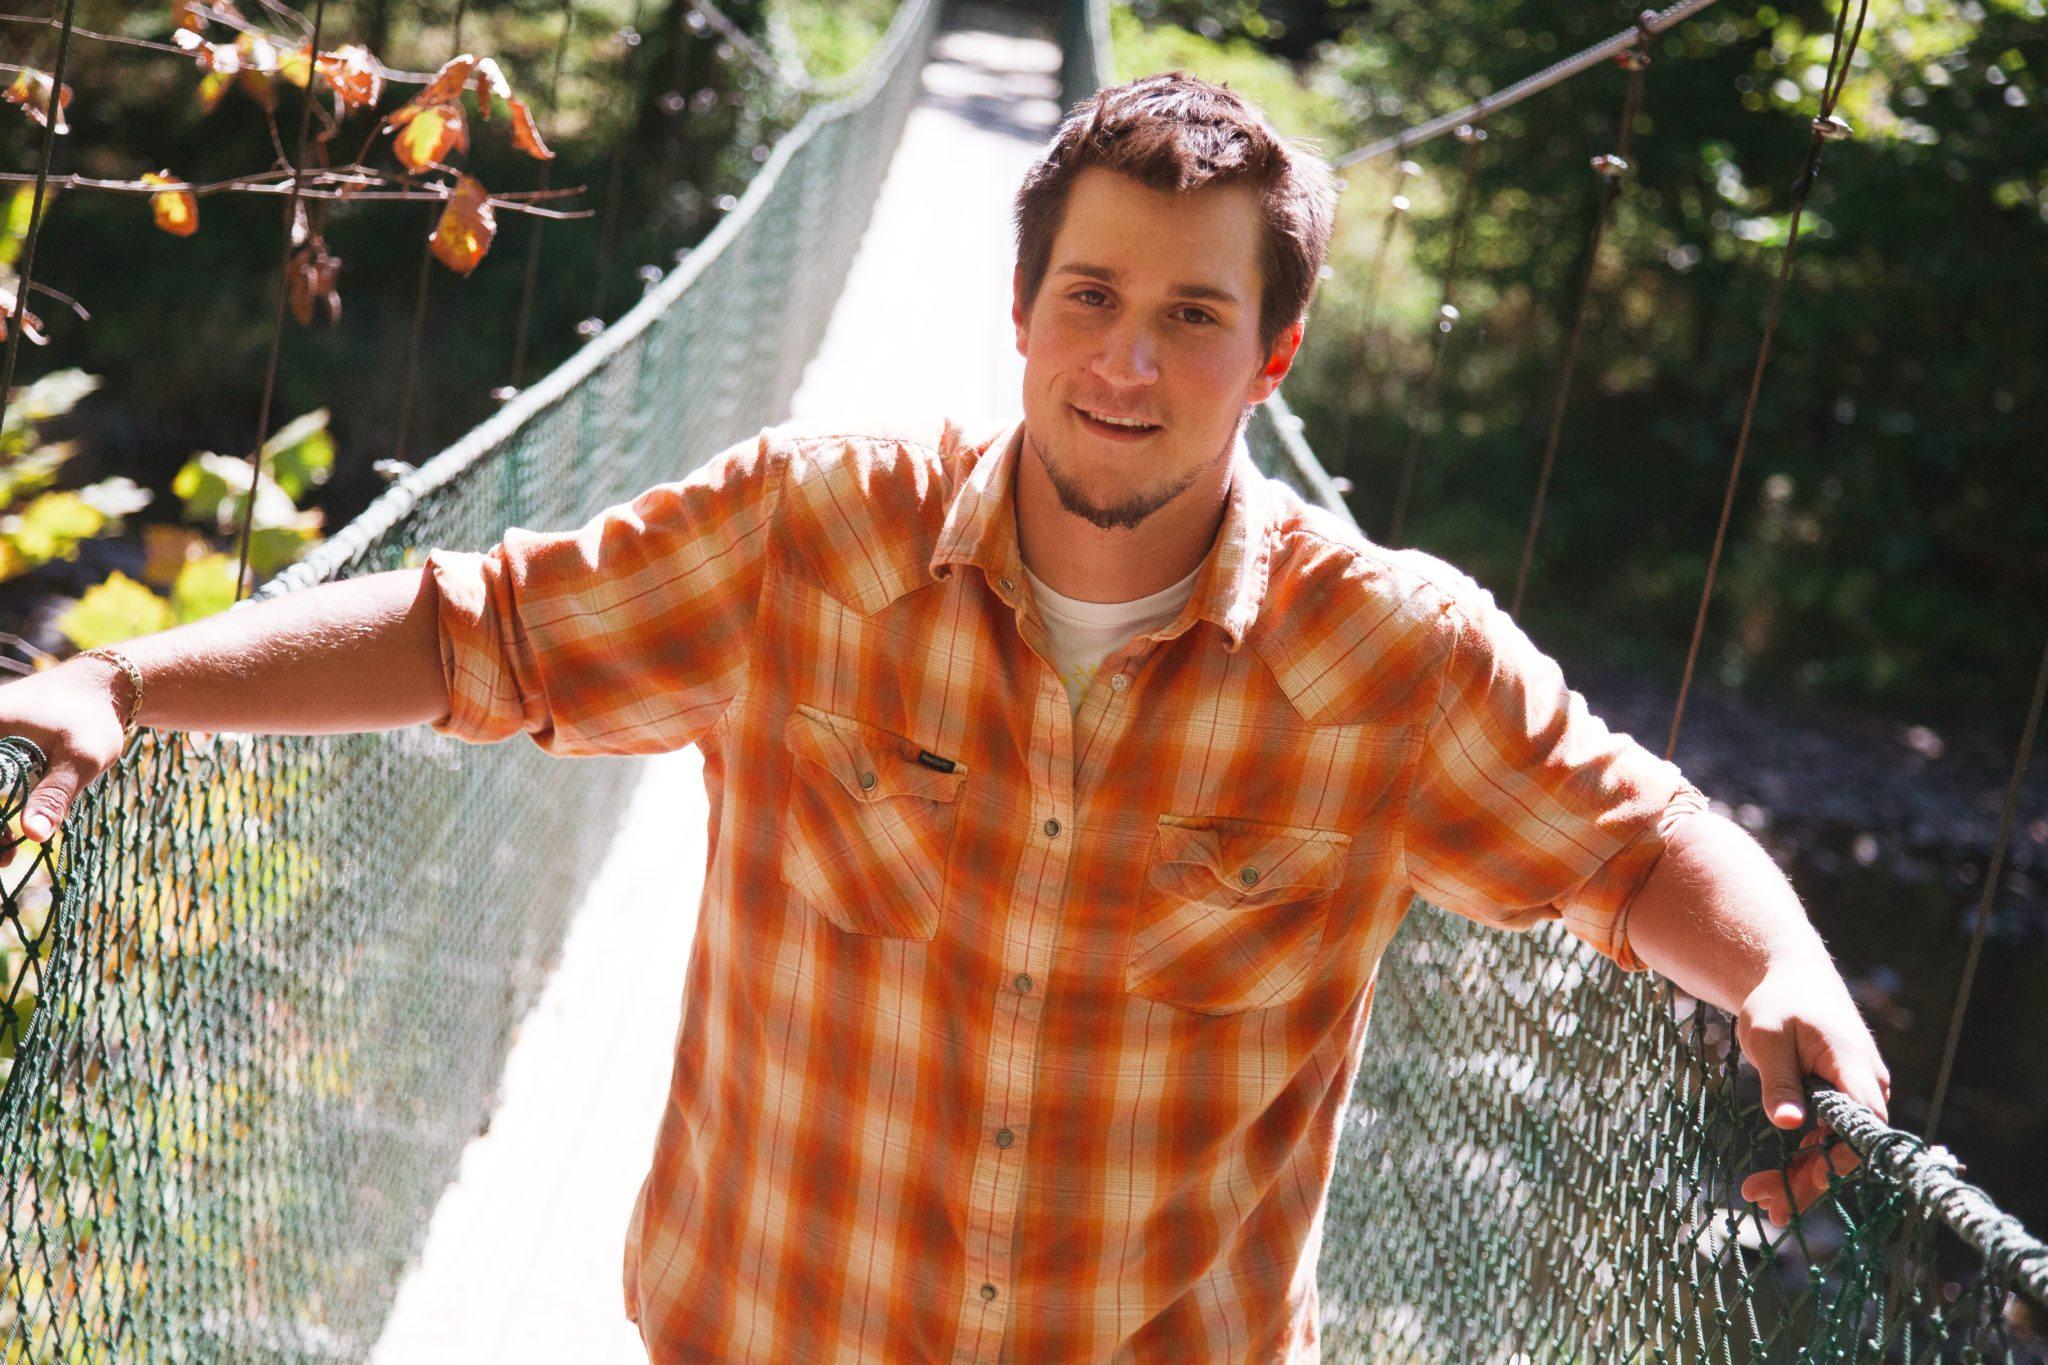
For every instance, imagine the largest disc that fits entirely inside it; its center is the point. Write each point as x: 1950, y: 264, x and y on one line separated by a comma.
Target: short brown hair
x: 1178, y: 132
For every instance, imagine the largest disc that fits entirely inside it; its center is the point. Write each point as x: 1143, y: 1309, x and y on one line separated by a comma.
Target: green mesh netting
x: 257, y: 996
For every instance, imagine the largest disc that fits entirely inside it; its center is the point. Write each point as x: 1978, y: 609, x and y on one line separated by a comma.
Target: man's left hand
x: 1799, y: 1021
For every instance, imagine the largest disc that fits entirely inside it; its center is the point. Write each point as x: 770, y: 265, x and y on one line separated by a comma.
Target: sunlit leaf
x: 115, y: 497
x: 273, y: 547
x: 33, y: 472
x: 213, y: 488
x: 296, y: 65
x: 118, y: 609
x: 53, y: 395
x: 14, y: 220
x: 446, y: 87
x: 466, y: 228
x: 205, y: 587
x: 177, y: 211
x: 50, y: 527
x: 490, y: 80
x: 300, y: 455
x: 211, y: 87
x: 354, y: 75
x: 184, y: 15
x: 526, y: 134
x: 31, y: 90
x: 429, y: 135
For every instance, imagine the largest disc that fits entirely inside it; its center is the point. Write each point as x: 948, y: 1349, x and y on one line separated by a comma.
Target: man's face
x: 1149, y: 311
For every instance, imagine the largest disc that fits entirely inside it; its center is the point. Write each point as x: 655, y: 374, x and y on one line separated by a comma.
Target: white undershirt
x: 1085, y: 633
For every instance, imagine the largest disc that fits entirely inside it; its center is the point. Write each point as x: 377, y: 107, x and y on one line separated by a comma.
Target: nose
x: 1128, y: 356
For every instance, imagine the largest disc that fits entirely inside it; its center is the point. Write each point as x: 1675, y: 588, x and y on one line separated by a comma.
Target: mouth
x: 1116, y: 428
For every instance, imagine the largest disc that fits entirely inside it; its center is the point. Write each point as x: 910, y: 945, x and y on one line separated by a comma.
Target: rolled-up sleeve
x: 629, y: 634
x: 1526, y: 807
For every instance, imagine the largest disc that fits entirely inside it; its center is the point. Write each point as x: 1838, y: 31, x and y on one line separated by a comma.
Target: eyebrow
x: 1109, y: 276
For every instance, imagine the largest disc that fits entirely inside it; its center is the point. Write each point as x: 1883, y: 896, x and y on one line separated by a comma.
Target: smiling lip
x: 1112, y: 431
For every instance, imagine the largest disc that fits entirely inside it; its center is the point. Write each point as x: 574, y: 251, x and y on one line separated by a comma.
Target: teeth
x: 1118, y: 421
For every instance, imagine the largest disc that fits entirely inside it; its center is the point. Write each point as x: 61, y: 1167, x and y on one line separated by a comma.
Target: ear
x: 1020, y: 314
x: 1267, y: 381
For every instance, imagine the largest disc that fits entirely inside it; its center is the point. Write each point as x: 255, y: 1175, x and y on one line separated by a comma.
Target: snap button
x: 867, y: 781
x: 1023, y: 984
x: 1118, y: 682
x: 988, y: 1291
x: 1249, y: 876
x: 1004, y: 1137
x: 1052, y: 829
x: 1007, y: 586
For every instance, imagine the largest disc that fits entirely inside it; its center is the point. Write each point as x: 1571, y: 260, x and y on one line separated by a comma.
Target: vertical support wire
x: 25, y: 277
x: 526, y: 290
x: 419, y: 299
x: 1826, y: 128
x: 1984, y: 905
x: 1372, y: 376
x: 291, y: 222
x: 1612, y: 170
x: 1446, y: 318
x: 608, y: 236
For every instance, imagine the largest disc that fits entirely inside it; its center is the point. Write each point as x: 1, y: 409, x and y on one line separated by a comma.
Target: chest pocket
x: 1233, y: 914
x: 868, y: 833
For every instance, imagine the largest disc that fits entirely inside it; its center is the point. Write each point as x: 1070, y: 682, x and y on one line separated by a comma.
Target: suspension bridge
x: 280, y: 985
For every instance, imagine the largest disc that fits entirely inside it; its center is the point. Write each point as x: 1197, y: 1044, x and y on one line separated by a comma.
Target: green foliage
x: 117, y: 609
x: 828, y: 38
x: 1296, y: 109
x: 1889, y: 542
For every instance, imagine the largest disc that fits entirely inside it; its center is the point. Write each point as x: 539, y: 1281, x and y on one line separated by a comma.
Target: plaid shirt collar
x: 981, y: 529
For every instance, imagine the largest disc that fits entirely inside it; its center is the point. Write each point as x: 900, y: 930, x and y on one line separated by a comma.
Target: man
x: 1067, y: 780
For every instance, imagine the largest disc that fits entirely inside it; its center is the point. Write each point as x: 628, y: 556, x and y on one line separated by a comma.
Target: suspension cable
x: 1446, y: 319
x: 53, y: 112
x: 291, y: 229
x: 1984, y: 906
x: 1826, y: 127
x: 531, y: 284
x: 1612, y: 169
x: 1648, y: 25
x: 419, y: 298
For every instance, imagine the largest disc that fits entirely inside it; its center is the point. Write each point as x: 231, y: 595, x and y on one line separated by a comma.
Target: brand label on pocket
x: 932, y: 760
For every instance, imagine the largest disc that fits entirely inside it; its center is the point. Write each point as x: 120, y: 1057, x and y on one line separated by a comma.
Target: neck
x: 1078, y: 559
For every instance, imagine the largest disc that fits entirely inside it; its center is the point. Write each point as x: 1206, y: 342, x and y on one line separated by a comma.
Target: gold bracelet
x: 134, y: 674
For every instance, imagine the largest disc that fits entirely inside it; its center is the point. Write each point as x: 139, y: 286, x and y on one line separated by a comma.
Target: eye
x: 1198, y: 315
x: 1079, y: 293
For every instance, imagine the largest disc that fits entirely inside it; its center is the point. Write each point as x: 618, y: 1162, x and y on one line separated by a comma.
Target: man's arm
x: 360, y: 654
x: 1721, y: 921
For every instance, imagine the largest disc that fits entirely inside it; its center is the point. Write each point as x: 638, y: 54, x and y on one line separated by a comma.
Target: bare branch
x: 341, y: 183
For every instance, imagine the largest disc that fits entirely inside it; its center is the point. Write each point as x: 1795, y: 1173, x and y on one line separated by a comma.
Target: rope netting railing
x: 260, y: 989
x: 1542, y: 1156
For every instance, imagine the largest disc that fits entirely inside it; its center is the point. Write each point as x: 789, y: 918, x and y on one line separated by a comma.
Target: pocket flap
x: 1254, y: 861
x: 869, y: 762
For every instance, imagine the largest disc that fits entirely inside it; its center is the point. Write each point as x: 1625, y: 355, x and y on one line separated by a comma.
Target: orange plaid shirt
x: 1010, y: 1034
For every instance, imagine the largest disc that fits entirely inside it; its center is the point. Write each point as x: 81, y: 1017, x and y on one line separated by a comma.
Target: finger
x: 1861, y: 1079
x: 44, y: 812
x: 1777, y: 1064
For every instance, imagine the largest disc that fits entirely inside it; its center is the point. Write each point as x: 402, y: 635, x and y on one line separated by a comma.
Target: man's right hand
x: 71, y: 712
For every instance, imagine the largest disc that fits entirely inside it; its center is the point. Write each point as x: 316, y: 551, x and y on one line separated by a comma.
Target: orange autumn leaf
x: 490, y: 80
x: 447, y: 83
x: 177, y: 211
x: 430, y: 134
x: 354, y: 75
x: 466, y: 228
x: 31, y: 90
x: 310, y: 278
x: 526, y: 134
x: 185, y: 17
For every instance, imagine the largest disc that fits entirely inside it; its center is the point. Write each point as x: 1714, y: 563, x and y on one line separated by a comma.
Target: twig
x: 319, y: 185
